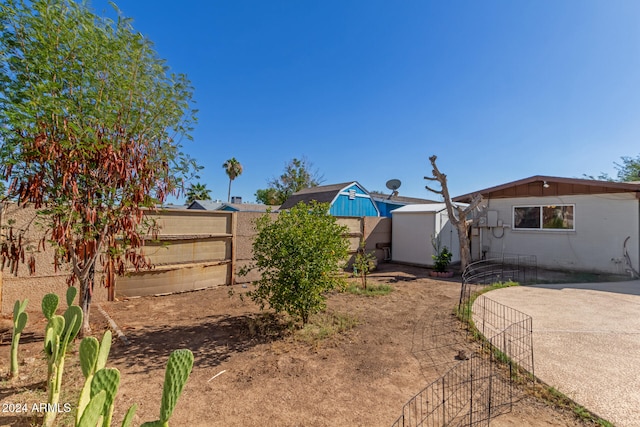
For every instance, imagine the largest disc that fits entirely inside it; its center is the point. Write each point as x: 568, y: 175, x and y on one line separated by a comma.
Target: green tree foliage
x: 198, y: 192
x: 91, y: 119
x: 298, y: 174
x: 269, y: 196
x: 233, y: 168
x: 628, y: 170
x: 299, y: 255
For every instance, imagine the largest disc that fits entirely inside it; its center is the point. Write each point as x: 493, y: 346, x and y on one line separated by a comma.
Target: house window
x: 544, y: 217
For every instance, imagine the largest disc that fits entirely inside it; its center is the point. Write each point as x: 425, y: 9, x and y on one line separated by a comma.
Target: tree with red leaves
x: 91, y: 124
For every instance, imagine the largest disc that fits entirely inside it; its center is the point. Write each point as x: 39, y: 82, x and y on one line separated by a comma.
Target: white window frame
x: 541, y: 219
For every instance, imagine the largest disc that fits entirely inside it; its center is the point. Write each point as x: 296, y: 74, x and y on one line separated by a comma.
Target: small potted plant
x: 442, y: 259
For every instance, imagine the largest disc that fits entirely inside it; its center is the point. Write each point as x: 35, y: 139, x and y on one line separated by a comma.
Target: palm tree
x: 198, y: 192
x: 233, y: 168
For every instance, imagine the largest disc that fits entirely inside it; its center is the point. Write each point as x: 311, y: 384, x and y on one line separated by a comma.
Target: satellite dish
x: 393, y: 184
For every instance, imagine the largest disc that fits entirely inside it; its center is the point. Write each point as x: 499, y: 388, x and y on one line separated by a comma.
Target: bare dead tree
x: 457, y: 214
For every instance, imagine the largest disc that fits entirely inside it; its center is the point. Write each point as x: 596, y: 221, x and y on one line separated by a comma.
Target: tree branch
x: 433, y: 190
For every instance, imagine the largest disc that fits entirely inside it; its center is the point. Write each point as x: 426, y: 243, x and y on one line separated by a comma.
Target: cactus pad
x: 128, y: 418
x: 93, y: 411
x: 20, y: 318
x: 52, y: 336
x: 21, y: 322
x: 19, y: 307
x: 89, y: 347
x: 103, y: 353
x: 71, y: 295
x: 178, y: 369
x: 72, y: 327
x: 107, y: 379
x: 49, y: 305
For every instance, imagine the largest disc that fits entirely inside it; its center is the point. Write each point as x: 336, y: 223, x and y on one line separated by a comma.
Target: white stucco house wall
x: 413, y: 227
x: 567, y: 223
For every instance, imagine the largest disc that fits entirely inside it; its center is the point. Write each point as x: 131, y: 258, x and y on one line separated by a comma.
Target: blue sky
x: 367, y: 90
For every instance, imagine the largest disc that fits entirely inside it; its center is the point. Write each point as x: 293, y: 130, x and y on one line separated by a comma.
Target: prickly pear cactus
x: 73, y: 327
x: 88, y: 350
x: 108, y: 380
x: 49, y: 305
x: 178, y: 370
x: 72, y: 291
x: 93, y: 358
x: 103, y: 352
x: 20, y: 318
x: 53, y: 337
x: 128, y: 417
x: 18, y: 310
x: 60, y: 331
x: 93, y: 411
x: 176, y: 375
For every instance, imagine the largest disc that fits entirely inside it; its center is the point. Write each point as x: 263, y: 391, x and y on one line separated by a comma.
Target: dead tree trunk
x: 457, y: 214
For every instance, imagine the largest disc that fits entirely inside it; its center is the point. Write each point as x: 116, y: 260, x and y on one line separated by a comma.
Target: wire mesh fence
x: 506, y: 330
x: 476, y: 390
x: 469, y: 394
x: 502, y: 267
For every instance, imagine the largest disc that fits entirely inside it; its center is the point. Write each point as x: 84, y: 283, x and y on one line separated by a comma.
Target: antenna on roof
x: 393, y: 185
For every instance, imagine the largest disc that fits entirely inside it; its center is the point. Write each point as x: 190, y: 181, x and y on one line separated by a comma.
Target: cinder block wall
x: 46, y: 279
x: 377, y: 232
x: 245, y: 233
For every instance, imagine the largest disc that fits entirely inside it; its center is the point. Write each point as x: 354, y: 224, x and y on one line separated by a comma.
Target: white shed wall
x: 602, y: 223
x: 412, y: 232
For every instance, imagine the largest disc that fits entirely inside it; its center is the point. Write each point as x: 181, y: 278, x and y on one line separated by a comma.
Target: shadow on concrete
x: 630, y: 287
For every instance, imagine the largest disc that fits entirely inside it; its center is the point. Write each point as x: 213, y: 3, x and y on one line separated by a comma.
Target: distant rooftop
x: 207, y: 205
x: 210, y: 205
x: 400, y: 199
x: 321, y: 194
x: 251, y: 207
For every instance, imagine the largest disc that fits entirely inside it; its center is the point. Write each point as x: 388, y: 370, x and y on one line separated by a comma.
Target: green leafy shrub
x: 299, y: 255
x: 442, y: 257
x: 363, y: 263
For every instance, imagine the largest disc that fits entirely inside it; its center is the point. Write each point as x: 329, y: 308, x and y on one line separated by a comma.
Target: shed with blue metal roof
x: 345, y: 199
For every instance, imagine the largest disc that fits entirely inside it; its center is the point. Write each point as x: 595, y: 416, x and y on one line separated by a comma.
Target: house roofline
x: 605, y: 186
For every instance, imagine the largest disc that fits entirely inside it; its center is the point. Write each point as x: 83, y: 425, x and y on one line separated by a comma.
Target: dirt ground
x: 266, y: 376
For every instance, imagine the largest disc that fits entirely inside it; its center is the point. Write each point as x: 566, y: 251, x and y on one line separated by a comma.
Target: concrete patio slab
x: 586, y: 342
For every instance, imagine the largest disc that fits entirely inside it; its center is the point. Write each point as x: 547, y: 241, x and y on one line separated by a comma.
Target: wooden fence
x: 194, y: 249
